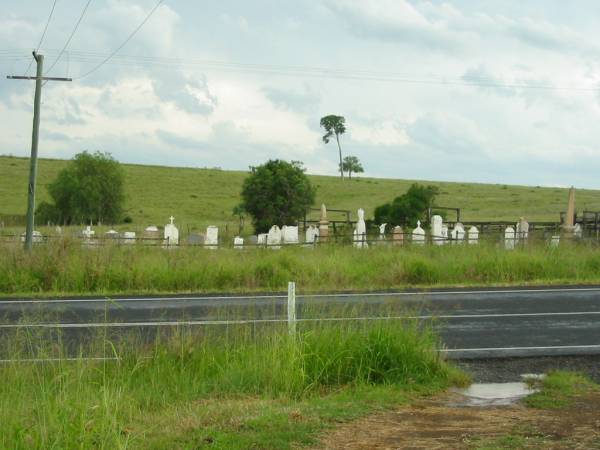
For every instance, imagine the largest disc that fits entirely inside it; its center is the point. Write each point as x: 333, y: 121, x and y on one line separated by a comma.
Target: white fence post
x: 292, y: 308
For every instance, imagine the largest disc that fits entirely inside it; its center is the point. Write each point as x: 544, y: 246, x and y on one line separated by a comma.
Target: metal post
x: 34, y: 152
x: 291, y: 308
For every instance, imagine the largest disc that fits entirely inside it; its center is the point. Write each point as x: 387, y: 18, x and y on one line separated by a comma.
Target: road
x: 473, y: 323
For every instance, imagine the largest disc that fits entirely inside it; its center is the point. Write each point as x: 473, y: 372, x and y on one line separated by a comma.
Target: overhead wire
x: 43, y: 35
x: 138, y: 28
x: 70, y: 36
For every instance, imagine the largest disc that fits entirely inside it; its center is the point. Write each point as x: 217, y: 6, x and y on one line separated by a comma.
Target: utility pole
x: 34, y: 142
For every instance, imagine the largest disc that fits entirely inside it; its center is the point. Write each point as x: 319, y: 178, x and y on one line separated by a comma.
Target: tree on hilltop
x: 351, y: 164
x: 334, y: 126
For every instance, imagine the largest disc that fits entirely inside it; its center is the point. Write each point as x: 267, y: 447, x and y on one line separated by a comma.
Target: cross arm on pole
x: 20, y: 77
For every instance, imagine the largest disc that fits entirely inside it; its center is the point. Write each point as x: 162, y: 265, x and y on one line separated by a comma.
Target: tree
x: 334, y: 126
x: 352, y: 164
x: 89, y: 189
x: 277, y: 193
x: 408, y: 208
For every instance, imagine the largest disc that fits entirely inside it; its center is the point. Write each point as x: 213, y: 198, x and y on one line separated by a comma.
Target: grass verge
x: 64, y: 268
x: 559, y: 390
x: 241, y: 387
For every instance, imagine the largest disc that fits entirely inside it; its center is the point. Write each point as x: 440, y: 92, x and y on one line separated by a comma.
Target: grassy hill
x: 200, y: 197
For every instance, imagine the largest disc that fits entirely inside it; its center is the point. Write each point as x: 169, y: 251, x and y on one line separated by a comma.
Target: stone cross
x: 418, y: 234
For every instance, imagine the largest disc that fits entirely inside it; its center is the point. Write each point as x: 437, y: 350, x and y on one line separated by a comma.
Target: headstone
x: 445, y: 233
x: 196, y: 239
x: 473, y: 236
x: 128, y: 237
x: 261, y: 239
x: 238, y: 242
x: 111, y: 234
x: 555, y: 241
x: 522, y: 230
x: 418, y: 235
x: 458, y: 233
x: 253, y: 240
x: 151, y: 235
x: 290, y: 234
x: 509, y: 238
x: 382, y: 231
x: 171, y: 233
x: 274, y: 238
x: 323, y: 225
x: 437, y: 224
x: 36, y: 237
x: 58, y: 230
x: 311, y: 235
x: 398, y: 236
x: 212, y: 237
x: 88, y: 233
x: 578, y: 231
x: 360, y: 233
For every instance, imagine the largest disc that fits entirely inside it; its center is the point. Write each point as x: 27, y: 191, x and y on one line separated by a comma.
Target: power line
x: 125, y: 42
x: 70, y: 37
x: 43, y: 35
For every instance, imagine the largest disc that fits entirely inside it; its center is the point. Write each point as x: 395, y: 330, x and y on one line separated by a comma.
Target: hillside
x: 199, y: 197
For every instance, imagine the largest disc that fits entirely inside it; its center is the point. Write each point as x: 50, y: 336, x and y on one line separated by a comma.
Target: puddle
x: 493, y: 394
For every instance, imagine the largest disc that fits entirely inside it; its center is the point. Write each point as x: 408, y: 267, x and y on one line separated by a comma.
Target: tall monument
x: 569, y: 225
x: 323, y: 225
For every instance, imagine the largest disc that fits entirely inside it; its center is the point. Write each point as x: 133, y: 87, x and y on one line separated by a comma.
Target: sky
x: 497, y: 92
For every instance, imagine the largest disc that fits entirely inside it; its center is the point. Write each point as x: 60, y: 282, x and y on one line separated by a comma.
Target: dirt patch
x: 437, y: 424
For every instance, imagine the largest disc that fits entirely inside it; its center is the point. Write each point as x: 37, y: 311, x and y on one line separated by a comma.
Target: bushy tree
x: 408, y: 208
x: 351, y: 164
x: 277, y: 193
x: 89, y: 189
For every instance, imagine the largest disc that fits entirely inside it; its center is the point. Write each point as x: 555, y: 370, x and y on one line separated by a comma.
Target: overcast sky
x: 495, y: 91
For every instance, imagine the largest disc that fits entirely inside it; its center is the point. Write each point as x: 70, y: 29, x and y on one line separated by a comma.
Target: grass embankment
x: 237, y: 388
x: 201, y: 197
x: 67, y: 268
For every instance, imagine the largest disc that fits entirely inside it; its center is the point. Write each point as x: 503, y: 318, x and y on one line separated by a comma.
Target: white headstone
x: 522, y: 230
x: 88, y: 233
x: 418, y: 234
x: 445, y: 233
x: 555, y: 241
x: 261, y: 239
x: 509, y: 238
x: 382, y: 231
x: 36, y: 237
x: 274, y: 237
x: 578, y: 231
x: 360, y: 233
x: 238, y: 242
x: 311, y: 235
x: 437, y: 223
x: 290, y: 234
x: 128, y: 237
x: 212, y: 237
x: 458, y: 233
x: 473, y: 235
x: 111, y: 234
x: 171, y: 233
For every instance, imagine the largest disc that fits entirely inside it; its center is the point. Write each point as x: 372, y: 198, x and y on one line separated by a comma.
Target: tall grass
x: 86, y: 404
x: 67, y: 268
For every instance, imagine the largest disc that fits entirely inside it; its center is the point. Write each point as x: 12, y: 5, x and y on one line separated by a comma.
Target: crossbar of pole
x: 20, y: 77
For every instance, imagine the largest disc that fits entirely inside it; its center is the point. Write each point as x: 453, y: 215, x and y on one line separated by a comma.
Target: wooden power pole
x: 34, y: 142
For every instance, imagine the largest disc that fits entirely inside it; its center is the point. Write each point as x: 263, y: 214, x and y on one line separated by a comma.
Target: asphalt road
x: 473, y: 323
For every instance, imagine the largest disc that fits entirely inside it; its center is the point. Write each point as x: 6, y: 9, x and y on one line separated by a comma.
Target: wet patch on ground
x: 450, y: 422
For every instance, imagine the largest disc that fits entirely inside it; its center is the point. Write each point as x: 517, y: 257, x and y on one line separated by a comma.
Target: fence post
x: 292, y: 308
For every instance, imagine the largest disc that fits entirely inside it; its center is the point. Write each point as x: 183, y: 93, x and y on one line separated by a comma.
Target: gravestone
x: 398, y: 235
x: 151, y: 235
x: 36, y: 237
x: 238, y: 242
x: 569, y: 225
x: 274, y: 238
x: 261, y: 239
x: 437, y: 223
x: 323, y: 225
x: 445, y: 233
x: 212, y: 237
x: 171, y: 233
x: 128, y: 237
x: 290, y: 234
x: 555, y: 241
x: 311, y: 235
x: 522, y: 230
x: 418, y: 235
x: 458, y: 233
x: 578, y: 231
x: 360, y: 233
x: 509, y: 238
x: 111, y: 235
x: 382, y: 231
x: 473, y: 235
x: 88, y: 233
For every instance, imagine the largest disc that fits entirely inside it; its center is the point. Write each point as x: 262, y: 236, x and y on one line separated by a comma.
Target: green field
x: 201, y: 197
